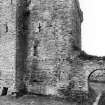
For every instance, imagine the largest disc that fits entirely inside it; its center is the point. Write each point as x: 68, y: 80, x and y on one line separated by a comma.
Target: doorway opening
x: 96, y: 83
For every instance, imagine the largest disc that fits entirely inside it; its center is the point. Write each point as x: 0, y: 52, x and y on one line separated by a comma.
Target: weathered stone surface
x: 56, y: 26
x: 7, y: 43
x: 40, y: 44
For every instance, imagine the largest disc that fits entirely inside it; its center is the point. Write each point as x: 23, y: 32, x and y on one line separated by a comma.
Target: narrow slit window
x: 36, y: 42
x: 6, y: 28
x: 39, y: 27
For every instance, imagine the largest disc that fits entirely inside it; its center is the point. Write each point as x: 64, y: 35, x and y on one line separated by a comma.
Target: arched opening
x: 97, y: 75
x: 96, y: 79
x: 96, y: 83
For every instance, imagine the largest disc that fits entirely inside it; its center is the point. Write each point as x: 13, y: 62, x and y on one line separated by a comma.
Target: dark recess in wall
x: 22, y: 22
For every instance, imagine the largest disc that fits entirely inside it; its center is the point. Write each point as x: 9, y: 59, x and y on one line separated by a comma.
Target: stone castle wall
x: 7, y: 43
x: 40, y: 44
x: 55, y: 32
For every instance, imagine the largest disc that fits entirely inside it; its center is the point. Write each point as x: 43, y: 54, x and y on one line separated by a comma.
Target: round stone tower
x: 55, y: 36
x: 56, y: 26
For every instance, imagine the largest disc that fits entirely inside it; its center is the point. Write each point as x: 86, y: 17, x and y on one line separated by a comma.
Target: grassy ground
x: 32, y: 100
x: 36, y: 100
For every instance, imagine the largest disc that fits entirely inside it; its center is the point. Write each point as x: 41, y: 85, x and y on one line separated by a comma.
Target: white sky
x: 93, y: 26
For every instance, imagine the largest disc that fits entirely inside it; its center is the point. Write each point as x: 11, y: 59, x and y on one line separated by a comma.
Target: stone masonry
x: 55, y: 29
x: 7, y: 43
x: 40, y: 43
